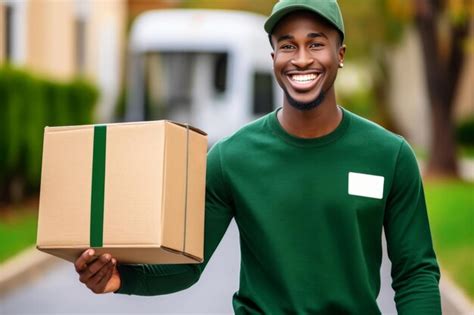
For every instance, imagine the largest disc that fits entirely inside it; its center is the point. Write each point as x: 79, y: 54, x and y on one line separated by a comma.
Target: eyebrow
x: 316, y: 35
x: 310, y: 35
x: 285, y: 37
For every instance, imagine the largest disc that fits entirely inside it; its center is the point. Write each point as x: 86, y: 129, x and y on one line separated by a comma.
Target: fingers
x: 86, y: 257
x: 94, y: 268
x: 96, y: 272
x: 102, y: 277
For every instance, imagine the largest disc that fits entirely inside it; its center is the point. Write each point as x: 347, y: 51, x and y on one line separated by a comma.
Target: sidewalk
x: 453, y: 300
x: 24, y: 268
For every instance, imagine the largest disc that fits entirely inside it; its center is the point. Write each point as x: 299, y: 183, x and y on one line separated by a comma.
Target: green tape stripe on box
x: 98, y: 183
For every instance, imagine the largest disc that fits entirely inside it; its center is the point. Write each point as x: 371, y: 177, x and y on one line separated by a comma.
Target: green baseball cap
x: 328, y: 9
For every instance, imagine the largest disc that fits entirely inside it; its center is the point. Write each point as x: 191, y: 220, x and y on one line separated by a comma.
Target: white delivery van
x: 209, y: 68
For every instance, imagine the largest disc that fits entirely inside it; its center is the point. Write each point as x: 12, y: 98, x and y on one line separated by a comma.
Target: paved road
x: 58, y: 291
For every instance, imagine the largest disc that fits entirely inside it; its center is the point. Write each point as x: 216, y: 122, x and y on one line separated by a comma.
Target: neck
x: 314, y: 123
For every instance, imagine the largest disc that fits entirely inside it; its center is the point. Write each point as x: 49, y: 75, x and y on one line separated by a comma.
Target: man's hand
x: 100, y: 274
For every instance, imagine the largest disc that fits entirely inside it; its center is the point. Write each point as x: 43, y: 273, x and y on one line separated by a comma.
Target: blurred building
x: 63, y: 39
x: 136, y: 7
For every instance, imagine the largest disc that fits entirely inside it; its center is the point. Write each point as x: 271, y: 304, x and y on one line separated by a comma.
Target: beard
x: 305, y: 106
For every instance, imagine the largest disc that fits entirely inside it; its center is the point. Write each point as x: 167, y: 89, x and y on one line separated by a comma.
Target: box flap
x: 174, y: 187
x: 195, y: 194
x: 80, y: 127
x: 188, y: 126
x: 126, y: 254
x: 185, y: 173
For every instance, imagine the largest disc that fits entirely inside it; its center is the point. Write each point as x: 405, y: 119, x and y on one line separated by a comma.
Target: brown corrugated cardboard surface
x: 153, y: 193
x: 65, y: 188
x: 133, y: 181
x: 195, y: 194
x: 175, y: 163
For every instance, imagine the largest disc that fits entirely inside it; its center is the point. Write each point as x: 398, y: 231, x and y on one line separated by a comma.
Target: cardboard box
x: 134, y: 190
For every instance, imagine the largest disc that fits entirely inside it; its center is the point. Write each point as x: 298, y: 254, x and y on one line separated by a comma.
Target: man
x: 310, y: 186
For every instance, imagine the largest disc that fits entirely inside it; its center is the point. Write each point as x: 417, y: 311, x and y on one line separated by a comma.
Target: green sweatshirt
x: 310, y: 213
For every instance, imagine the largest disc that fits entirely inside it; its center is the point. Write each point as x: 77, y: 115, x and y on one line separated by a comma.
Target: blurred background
x: 409, y: 66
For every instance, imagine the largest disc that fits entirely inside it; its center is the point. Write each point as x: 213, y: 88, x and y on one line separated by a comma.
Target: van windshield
x: 177, y: 82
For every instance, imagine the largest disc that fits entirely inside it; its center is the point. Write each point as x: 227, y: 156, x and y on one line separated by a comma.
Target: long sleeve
x: 165, y: 279
x: 415, y: 272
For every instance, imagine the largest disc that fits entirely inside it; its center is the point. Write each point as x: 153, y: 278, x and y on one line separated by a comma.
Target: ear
x: 273, y: 56
x: 342, y: 53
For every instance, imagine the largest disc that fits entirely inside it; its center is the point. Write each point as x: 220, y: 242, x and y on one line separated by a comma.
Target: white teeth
x: 303, y: 77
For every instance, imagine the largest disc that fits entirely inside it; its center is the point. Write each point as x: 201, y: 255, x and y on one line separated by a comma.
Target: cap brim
x: 273, y: 20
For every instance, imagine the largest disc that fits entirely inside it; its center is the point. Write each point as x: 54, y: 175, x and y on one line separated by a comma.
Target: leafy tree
x: 443, y: 26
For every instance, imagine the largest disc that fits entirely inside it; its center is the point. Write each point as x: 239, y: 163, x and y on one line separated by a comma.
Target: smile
x: 304, y: 81
x: 303, y: 78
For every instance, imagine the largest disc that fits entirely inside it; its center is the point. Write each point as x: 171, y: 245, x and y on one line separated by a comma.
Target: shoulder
x: 370, y: 134
x: 361, y: 125
x: 229, y: 151
x: 245, y: 136
x: 374, y: 143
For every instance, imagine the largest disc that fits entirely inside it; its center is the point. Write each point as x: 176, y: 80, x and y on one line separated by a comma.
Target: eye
x: 286, y: 47
x: 316, y: 45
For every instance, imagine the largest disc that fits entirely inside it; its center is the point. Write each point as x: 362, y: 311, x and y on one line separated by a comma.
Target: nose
x: 303, y: 59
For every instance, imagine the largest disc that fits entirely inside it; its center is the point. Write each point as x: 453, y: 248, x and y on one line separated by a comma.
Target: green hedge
x: 465, y: 132
x: 28, y: 103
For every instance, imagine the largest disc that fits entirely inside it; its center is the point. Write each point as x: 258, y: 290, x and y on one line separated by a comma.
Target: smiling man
x: 311, y: 186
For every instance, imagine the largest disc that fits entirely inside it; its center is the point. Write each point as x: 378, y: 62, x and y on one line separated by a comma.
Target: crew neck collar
x: 309, y: 142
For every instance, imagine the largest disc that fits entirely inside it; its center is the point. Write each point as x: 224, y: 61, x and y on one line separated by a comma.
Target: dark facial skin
x: 306, y: 57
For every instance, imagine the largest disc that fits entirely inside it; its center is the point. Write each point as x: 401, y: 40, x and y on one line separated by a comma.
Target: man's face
x: 306, y: 57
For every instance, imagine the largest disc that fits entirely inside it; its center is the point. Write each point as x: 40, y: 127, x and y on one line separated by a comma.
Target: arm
x: 415, y: 272
x: 164, y: 279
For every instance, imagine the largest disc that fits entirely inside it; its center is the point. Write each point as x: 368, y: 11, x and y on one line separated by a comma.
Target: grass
x: 466, y: 152
x: 17, y: 231
x: 451, y: 213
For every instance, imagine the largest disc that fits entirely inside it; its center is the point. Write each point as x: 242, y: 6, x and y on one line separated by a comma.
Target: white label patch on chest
x: 366, y: 185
